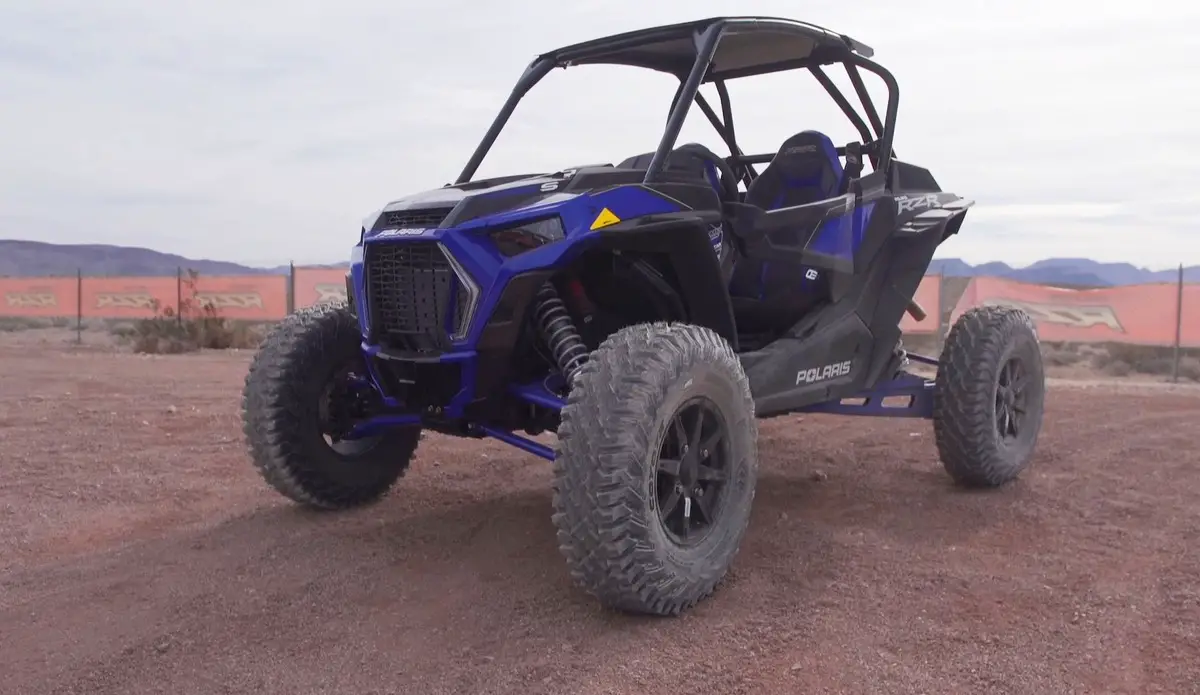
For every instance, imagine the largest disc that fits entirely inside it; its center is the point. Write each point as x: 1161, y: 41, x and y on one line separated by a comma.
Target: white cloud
x: 264, y: 131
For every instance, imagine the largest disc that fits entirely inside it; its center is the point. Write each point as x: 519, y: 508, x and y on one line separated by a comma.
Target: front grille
x: 423, y: 218
x: 416, y: 299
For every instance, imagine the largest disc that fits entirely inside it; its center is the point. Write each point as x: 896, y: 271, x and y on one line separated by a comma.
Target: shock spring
x: 559, y: 332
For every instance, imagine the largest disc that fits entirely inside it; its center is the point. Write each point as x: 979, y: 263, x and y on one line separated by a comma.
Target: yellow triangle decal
x: 604, y: 219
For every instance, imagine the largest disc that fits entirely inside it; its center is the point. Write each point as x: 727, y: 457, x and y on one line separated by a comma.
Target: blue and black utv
x: 647, y: 313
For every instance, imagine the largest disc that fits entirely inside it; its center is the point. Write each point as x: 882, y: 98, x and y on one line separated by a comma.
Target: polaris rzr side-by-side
x: 647, y: 313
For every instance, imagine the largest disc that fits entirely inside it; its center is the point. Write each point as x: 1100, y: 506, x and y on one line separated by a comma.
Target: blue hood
x: 453, y: 205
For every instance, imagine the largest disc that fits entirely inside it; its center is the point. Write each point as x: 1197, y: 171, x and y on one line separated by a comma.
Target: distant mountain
x: 42, y: 259
x: 38, y: 258
x: 1072, y: 272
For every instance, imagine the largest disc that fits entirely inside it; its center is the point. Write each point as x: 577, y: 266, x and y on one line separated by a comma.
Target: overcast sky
x: 264, y: 130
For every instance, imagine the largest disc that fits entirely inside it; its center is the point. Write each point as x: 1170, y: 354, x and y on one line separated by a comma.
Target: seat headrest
x: 807, y: 153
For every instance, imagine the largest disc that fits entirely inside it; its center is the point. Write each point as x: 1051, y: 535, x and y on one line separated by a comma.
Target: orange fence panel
x: 38, y: 297
x: 316, y: 285
x: 128, y: 297
x: 928, y: 295
x: 1136, y: 314
x: 244, y: 297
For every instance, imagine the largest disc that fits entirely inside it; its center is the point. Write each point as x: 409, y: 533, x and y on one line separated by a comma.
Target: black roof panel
x: 750, y: 45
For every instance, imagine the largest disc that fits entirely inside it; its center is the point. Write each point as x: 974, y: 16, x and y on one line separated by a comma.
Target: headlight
x: 526, y: 236
x: 356, y: 254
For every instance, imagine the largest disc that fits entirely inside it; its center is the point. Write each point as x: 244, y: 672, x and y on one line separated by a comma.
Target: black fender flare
x: 683, y: 239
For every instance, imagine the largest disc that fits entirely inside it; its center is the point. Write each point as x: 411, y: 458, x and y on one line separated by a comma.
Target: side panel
x: 849, y: 344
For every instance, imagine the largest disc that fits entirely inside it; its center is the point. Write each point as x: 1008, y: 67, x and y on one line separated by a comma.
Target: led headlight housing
x: 526, y: 236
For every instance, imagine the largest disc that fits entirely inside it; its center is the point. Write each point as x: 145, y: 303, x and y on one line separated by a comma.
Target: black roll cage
x: 705, y: 40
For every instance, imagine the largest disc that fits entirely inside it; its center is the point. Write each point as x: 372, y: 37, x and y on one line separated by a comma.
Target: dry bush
x: 1061, y: 354
x: 12, y: 324
x: 196, y: 326
x: 1119, y: 359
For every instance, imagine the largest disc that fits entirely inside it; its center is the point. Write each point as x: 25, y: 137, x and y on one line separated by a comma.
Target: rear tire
x: 989, y: 396
x: 650, y: 507
x: 282, y: 415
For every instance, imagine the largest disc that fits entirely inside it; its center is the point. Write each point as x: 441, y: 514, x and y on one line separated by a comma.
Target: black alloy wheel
x: 691, y: 473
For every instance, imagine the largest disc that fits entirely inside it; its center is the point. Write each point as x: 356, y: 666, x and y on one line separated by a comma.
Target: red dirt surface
x: 140, y: 553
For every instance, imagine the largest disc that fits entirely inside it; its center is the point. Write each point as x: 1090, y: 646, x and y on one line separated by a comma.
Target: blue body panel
x: 492, y: 271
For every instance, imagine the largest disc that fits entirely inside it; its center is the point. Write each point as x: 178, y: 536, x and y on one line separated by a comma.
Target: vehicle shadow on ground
x: 425, y: 543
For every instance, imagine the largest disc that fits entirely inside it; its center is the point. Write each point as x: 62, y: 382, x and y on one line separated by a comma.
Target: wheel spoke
x: 709, y: 473
x: 679, y: 431
x: 668, y: 506
x: 697, y: 430
x: 704, y: 504
x: 710, y: 444
x: 1018, y: 382
x: 669, y: 467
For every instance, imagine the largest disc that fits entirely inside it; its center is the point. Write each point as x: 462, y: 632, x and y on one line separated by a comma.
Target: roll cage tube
x: 706, y: 43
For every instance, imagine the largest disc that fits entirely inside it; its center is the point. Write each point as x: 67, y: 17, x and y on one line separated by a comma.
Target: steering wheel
x: 729, y: 180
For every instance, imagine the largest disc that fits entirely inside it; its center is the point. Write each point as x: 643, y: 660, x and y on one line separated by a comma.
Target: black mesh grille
x: 427, y: 217
x: 410, y: 288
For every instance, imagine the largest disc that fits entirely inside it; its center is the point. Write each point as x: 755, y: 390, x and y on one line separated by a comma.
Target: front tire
x: 656, y: 468
x: 989, y: 396
x: 285, y: 408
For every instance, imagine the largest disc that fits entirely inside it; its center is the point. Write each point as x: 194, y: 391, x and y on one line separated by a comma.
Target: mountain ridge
x: 21, y: 258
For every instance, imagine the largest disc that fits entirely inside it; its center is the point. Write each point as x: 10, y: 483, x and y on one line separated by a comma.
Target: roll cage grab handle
x: 706, y: 43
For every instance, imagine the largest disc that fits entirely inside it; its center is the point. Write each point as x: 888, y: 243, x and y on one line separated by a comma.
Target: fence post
x: 79, y: 306
x: 1178, y: 327
x: 291, y: 287
x: 179, y: 295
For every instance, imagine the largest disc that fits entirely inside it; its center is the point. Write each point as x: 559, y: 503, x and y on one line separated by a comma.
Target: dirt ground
x: 140, y: 553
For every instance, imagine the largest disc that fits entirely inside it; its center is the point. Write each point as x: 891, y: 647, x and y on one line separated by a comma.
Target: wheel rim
x: 691, y: 472
x: 1012, y: 399
x: 341, y: 405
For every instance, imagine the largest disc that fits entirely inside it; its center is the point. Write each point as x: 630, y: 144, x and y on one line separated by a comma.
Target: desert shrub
x: 196, y: 325
x: 1189, y: 368
x: 1061, y: 354
x: 12, y: 324
x: 1116, y: 368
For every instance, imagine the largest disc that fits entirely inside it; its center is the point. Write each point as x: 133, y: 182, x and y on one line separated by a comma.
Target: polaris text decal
x: 404, y: 231
x: 816, y: 374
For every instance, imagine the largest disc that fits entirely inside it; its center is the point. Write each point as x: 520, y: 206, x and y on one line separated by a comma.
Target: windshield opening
x: 593, y: 114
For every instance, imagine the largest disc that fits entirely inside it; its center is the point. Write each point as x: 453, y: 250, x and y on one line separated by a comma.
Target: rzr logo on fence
x: 30, y: 299
x: 1073, y: 315
x: 905, y: 203
x: 829, y: 371
x: 231, y: 300
x: 125, y: 300
x: 330, y: 292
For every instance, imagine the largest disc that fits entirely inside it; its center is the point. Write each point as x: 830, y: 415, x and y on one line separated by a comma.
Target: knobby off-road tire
x: 281, y: 415
x: 989, y: 350
x: 607, y: 503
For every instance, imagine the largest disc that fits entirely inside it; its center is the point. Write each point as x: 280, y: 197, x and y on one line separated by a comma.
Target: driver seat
x: 773, y: 296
